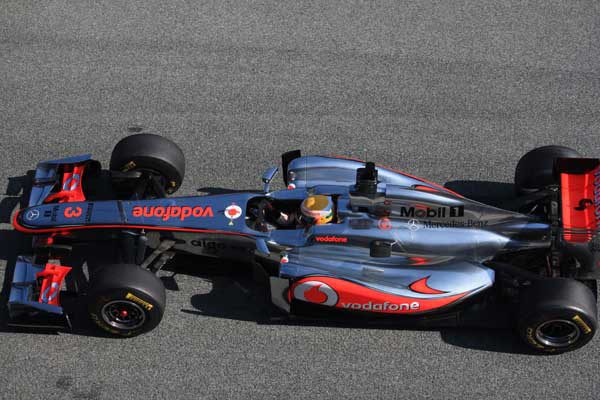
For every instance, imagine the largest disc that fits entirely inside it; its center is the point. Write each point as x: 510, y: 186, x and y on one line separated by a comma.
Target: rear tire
x: 535, y: 169
x: 126, y: 300
x: 557, y: 315
x: 150, y: 153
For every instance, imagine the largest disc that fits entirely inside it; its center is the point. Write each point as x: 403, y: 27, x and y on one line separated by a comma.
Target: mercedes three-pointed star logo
x: 413, y: 225
x: 32, y: 215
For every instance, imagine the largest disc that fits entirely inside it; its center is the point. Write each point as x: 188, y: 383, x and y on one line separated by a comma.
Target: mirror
x: 268, y: 177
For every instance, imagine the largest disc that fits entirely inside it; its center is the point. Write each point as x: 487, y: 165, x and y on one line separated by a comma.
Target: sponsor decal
x: 233, y: 212
x: 129, y: 166
x: 331, y: 239
x: 291, y: 186
x: 316, y: 292
x: 54, y: 213
x: 585, y: 327
x: 72, y: 212
x: 383, y: 307
x: 209, y: 247
x: 532, y: 340
x: 207, y: 244
x: 284, y: 259
x: 177, y: 212
x: 139, y: 301
x: 384, y: 224
x: 597, y: 193
x: 348, y: 295
x: 413, y: 225
x: 32, y: 215
x: 88, y: 213
x: 432, y: 212
x: 470, y: 223
x: 583, y: 203
x: 215, y: 248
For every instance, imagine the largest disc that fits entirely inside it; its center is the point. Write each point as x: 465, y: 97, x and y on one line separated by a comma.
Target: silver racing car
x: 344, y: 239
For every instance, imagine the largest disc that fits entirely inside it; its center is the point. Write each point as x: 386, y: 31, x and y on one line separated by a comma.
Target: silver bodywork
x: 434, y: 232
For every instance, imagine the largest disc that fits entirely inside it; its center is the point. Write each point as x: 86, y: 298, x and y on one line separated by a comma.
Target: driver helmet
x: 317, y: 209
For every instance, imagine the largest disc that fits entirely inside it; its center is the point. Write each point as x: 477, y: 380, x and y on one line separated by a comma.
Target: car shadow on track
x: 238, y: 296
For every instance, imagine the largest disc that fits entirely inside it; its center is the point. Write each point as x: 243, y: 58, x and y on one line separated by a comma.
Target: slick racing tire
x: 125, y: 299
x: 150, y: 153
x: 557, y: 315
x: 535, y: 169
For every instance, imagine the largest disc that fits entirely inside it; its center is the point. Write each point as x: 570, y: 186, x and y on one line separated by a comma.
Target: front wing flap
x: 34, y: 298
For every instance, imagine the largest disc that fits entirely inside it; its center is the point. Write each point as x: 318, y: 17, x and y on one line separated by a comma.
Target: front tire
x: 151, y: 154
x: 557, y: 315
x: 126, y: 300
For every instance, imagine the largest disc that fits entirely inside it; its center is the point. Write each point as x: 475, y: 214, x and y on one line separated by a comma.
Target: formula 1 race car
x: 393, y: 246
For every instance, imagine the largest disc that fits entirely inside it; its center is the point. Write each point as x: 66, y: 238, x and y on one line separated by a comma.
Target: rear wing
x: 580, y: 197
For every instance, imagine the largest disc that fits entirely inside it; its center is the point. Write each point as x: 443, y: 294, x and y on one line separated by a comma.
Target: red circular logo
x: 385, y: 224
x: 233, y: 212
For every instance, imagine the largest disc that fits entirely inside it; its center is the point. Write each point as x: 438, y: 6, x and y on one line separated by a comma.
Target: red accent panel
x: 52, y: 277
x: 403, y: 173
x: 421, y: 286
x: 426, y: 188
x: 71, y: 189
x: 578, y: 207
x: 352, y: 296
x: 60, y: 229
x: 418, y: 260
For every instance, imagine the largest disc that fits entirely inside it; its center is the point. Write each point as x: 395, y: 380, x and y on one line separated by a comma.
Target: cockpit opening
x: 265, y: 214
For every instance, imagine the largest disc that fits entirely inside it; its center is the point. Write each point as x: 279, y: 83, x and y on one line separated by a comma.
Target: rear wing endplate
x: 580, y: 197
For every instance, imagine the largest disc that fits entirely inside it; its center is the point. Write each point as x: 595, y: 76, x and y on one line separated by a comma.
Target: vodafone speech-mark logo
x: 384, y: 224
x: 316, y: 292
x: 233, y: 212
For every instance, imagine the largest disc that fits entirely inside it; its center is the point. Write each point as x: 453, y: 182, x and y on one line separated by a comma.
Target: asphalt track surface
x: 445, y: 90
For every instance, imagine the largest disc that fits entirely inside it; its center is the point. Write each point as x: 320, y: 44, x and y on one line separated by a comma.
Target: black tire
x: 557, y: 315
x: 127, y: 288
x: 153, y: 153
x: 535, y: 169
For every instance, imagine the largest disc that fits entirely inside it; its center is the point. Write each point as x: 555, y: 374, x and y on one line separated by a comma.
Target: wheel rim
x: 123, y: 314
x: 558, y: 333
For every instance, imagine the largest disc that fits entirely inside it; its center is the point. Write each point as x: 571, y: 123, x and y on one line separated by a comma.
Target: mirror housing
x: 268, y: 177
